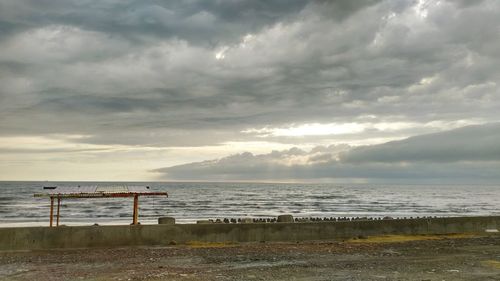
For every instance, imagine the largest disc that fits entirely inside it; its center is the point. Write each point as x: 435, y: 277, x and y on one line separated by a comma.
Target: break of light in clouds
x: 317, y: 129
x: 249, y: 90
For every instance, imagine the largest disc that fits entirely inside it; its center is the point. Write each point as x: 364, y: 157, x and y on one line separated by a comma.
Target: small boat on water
x: 49, y: 185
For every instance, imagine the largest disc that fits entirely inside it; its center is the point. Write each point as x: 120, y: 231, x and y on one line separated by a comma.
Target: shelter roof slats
x: 97, y: 192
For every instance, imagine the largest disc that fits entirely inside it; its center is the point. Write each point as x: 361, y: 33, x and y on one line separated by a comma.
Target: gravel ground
x: 386, y: 258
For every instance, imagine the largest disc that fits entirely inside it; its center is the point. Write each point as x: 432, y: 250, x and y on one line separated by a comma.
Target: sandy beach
x: 452, y: 257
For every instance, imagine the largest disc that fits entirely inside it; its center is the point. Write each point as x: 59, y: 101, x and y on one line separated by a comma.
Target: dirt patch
x: 395, y: 258
x: 200, y: 244
x: 406, y: 238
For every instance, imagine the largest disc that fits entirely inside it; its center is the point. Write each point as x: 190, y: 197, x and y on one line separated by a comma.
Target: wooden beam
x: 136, y: 210
x: 58, y: 207
x: 51, y: 210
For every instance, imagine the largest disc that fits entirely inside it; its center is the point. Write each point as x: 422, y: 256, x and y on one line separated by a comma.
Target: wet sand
x: 456, y: 257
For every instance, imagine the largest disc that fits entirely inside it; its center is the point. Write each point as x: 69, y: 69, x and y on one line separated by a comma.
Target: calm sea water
x: 189, y: 202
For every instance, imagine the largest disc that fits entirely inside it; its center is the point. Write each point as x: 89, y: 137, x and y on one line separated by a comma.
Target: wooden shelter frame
x: 60, y: 196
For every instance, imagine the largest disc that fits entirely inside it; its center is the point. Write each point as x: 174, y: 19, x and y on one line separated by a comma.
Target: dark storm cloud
x: 200, y: 22
x: 466, y: 153
x: 472, y: 143
x: 197, y: 21
x: 200, y: 72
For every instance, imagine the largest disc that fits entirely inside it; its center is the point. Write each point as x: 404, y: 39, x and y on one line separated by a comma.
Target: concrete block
x: 285, y: 218
x: 166, y: 220
x: 246, y: 220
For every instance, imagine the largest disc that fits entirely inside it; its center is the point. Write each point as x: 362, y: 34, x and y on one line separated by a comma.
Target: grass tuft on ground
x: 492, y: 263
x: 406, y: 238
x: 201, y: 244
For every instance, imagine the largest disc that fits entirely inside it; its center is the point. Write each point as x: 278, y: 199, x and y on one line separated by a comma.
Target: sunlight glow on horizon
x: 326, y: 129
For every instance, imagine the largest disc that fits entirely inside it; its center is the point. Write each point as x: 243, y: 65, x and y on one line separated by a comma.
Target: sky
x: 284, y: 90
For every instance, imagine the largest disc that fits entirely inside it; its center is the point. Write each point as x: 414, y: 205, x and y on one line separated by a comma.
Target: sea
x: 189, y: 202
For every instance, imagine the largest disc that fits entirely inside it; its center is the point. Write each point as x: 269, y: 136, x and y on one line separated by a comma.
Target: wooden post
x: 58, y: 207
x: 51, y: 210
x: 136, y: 209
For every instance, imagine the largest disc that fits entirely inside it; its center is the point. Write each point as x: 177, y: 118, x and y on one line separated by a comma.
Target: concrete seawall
x: 34, y: 238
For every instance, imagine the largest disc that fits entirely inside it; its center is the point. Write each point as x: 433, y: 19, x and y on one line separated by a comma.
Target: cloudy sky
x: 286, y: 90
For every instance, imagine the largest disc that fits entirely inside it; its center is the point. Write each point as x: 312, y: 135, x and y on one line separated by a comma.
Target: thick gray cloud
x: 471, y: 153
x: 165, y: 74
x: 150, y: 67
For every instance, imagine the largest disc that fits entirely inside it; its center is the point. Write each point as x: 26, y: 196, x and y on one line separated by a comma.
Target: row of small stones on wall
x: 309, y: 219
